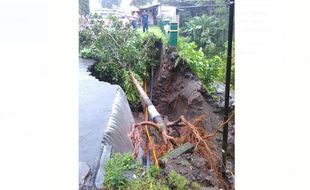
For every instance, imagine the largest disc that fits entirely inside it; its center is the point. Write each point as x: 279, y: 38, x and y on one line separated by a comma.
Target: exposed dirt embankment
x: 177, y: 91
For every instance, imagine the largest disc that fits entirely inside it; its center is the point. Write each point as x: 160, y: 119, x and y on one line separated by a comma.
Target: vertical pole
x: 227, y: 84
x: 152, y: 82
x: 149, y: 118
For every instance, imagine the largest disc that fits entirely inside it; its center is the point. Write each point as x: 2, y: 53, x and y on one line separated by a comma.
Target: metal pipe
x: 227, y: 84
x: 155, y: 116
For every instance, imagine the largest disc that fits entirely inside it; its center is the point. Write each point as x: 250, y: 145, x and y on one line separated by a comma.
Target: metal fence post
x: 227, y: 84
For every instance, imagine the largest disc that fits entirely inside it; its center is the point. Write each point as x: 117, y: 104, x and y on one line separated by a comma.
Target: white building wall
x: 168, y: 13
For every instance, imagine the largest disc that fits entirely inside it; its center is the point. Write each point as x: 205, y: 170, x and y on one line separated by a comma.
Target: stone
x: 188, y: 75
x: 198, y: 162
x: 209, y: 188
x: 184, y: 148
x: 183, y: 171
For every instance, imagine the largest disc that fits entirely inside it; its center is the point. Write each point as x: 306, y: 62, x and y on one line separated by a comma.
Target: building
x: 160, y: 11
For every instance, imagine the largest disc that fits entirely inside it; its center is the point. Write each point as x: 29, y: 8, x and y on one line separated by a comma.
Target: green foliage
x: 120, y: 166
x: 147, y: 183
x: 140, y: 2
x: 114, y: 170
x: 177, y: 181
x: 84, y: 7
x: 85, y: 38
x: 87, y: 53
x: 155, y: 30
x: 195, y: 186
x: 109, y: 3
x: 130, y: 89
x: 207, y: 32
x: 207, y: 70
x: 114, y: 75
x: 224, y: 56
x: 207, y: 54
x: 118, y: 47
x: 154, y: 171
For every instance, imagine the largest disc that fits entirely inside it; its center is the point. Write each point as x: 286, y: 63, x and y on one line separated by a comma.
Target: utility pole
x: 227, y: 84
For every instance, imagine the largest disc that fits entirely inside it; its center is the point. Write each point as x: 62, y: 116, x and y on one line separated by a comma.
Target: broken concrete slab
x: 184, y: 148
x: 104, y: 118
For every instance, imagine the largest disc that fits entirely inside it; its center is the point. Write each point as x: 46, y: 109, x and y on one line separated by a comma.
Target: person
x: 145, y: 21
x: 134, y: 21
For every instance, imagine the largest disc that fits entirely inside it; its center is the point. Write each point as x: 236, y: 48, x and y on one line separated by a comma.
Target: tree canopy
x: 139, y: 3
x: 84, y: 7
x: 192, y: 2
x: 109, y: 3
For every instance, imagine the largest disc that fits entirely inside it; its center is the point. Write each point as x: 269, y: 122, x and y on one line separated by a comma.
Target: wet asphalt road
x: 95, y: 104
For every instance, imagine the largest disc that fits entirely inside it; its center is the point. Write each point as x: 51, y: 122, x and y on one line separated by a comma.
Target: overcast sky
x: 95, y: 4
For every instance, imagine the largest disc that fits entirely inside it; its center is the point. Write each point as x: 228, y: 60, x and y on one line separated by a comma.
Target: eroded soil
x: 176, y: 92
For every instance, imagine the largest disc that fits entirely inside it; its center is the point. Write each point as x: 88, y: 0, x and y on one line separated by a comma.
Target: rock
x: 173, y: 133
x: 163, y: 77
x: 183, y: 171
x: 221, y: 104
x: 209, y: 188
x: 186, y: 147
x: 209, y: 180
x: 220, y: 88
x: 179, y: 162
x: 198, y: 162
x: 188, y: 75
x: 173, y: 56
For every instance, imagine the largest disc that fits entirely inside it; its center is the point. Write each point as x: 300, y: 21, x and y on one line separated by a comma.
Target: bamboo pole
x: 155, y: 116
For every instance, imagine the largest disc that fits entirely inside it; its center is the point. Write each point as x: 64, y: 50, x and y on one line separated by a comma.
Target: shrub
x: 114, y: 170
x: 177, y: 181
x: 118, y: 47
x: 207, y: 70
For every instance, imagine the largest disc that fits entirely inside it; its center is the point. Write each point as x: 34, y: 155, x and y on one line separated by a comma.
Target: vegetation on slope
x: 123, y: 172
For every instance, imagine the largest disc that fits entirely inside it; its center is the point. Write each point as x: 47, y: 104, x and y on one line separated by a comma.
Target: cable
x: 148, y: 134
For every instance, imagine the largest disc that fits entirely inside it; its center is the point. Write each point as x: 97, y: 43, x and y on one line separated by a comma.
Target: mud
x: 193, y: 167
x: 177, y: 91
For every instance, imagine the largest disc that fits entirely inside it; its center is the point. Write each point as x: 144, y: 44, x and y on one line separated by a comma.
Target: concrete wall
x: 105, y: 121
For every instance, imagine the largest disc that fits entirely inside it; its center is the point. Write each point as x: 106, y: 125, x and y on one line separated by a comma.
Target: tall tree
x: 140, y: 3
x: 109, y: 3
x: 84, y: 7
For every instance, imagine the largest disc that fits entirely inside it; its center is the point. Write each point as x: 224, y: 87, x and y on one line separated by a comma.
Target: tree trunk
x: 155, y: 116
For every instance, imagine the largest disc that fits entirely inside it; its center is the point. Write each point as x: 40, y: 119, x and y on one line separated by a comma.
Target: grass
x: 156, y: 30
x: 120, y: 164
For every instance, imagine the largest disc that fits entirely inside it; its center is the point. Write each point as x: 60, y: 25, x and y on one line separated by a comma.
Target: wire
x: 148, y: 134
x: 198, y: 6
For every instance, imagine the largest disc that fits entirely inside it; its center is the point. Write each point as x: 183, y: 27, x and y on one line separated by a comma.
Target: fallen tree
x: 118, y: 48
x: 155, y: 116
x: 124, y: 57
